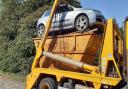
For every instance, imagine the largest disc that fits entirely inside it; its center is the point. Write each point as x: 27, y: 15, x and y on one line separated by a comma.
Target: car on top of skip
x: 67, y: 17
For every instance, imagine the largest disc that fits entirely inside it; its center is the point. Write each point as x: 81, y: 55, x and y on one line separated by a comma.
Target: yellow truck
x: 88, y: 60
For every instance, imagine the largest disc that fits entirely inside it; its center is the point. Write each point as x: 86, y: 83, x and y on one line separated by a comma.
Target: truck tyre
x: 48, y: 83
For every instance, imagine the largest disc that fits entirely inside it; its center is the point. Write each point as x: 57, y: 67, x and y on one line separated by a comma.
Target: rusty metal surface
x: 78, y: 46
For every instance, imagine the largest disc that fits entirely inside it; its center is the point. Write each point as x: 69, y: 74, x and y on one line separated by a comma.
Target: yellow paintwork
x: 90, y: 68
x: 127, y: 35
x: 108, y: 47
x: 98, y: 76
x: 126, y: 40
x: 41, y: 45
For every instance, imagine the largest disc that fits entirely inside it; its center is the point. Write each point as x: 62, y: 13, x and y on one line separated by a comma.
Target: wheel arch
x: 42, y: 76
x: 47, y: 75
x: 80, y: 15
x: 40, y: 25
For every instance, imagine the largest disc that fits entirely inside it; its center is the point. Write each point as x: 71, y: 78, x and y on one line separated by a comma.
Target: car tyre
x: 48, y: 83
x: 82, y: 23
x: 41, y: 30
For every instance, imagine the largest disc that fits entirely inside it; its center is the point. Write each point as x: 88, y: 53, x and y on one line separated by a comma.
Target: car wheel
x: 41, y: 30
x: 48, y: 83
x: 81, y: 23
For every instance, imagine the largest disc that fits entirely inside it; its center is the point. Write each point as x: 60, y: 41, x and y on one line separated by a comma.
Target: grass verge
x: 15, y: 77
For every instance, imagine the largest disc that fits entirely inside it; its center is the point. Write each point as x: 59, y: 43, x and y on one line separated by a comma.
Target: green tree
x: 18, y: 28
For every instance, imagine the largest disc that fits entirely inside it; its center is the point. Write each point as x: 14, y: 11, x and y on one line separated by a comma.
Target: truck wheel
x: 48, y: 83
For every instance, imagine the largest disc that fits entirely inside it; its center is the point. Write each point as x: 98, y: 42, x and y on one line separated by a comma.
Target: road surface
x: 6, y: 83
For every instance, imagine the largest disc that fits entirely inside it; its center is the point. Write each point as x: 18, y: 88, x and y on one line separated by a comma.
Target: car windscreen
x: 47, y: 13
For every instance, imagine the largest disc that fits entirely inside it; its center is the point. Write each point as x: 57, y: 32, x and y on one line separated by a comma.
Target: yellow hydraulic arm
x: 127, y: 33
x: 32, y: 81
x: 126, y: 39
x: 44, y: 37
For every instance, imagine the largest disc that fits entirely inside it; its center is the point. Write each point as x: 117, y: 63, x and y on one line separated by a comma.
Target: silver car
x: 67, y: 17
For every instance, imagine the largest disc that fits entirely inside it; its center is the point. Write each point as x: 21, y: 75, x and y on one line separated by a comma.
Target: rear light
x: 99, y: 19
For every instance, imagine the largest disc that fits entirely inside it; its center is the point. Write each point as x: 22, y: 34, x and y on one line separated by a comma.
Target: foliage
x: 121, y: 30
x: 18, y: 28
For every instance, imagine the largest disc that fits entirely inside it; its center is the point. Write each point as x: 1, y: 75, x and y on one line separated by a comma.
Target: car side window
x: 47, y: 13
x: 70, y: 8
x: 64, y: 8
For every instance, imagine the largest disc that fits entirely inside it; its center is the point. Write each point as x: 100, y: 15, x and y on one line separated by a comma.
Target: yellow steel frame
x: 127, y: 35
x: 96, y: 78
x: 126, y: 40
x: 108, y: 47
x: 41, y: 45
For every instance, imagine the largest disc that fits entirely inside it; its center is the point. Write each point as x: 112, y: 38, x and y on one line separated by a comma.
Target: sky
x: 117, y: 9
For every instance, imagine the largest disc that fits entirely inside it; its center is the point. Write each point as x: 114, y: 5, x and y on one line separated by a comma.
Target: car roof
x: 62, y: 5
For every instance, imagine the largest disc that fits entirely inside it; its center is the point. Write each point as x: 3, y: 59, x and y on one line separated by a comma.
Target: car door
x: 55, y: 21
x: 68, y: 17
x: 59, y: 18
x: 63, y: 17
